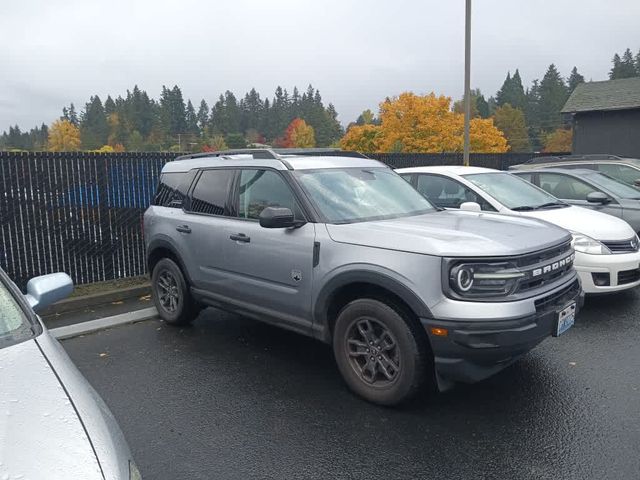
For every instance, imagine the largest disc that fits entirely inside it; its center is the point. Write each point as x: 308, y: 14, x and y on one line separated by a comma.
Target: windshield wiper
x: 523, y: 208
x: 549, y: 205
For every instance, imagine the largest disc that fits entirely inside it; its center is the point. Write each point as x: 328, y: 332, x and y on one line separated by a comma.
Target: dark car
x: 626, y: 170
x: 591, y: 189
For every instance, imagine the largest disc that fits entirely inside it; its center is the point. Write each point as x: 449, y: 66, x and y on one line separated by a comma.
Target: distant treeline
x: 529, y: 118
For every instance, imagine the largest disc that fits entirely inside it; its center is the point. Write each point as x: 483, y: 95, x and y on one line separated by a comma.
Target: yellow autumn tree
x: 300, y: 134
x: 560, y: 140
x: 63, y: 136
x: 362, y: 138
x: 424, y: 123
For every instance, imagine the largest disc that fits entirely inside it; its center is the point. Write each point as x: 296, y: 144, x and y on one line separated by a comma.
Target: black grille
x: 553, y: 257
x: 625, y: 246
x: 558, y: 299
x: 628, y: 276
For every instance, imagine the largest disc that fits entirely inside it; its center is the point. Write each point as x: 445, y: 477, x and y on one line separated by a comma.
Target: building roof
x: 619, y: 94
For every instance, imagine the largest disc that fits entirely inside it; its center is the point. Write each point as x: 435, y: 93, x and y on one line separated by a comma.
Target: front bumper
x: 477, y: 349
x: 622, y: 269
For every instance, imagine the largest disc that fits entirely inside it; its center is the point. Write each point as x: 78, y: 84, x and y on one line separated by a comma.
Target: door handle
x: 183, y: 229
x: 240, y: 237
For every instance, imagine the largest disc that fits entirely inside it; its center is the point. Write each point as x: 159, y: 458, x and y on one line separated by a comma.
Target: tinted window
x: 623, y: 173
x: 565, y: 187
x: 526, y: 176
x: 172, y: 188
x: 260, y: 189
x: 448, y: 193
x: 210, y: 193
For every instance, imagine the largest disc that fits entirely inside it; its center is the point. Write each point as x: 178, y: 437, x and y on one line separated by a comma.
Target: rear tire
x: 171, y: 294
x: 379, y: 352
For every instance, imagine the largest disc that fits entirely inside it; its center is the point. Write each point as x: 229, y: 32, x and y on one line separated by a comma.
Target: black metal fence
x: 81, y: 212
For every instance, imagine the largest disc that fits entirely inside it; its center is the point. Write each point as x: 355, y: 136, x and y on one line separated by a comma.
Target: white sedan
x: 607, y: 248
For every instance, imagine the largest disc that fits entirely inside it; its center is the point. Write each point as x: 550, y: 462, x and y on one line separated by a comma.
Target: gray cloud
x: 356, y: 52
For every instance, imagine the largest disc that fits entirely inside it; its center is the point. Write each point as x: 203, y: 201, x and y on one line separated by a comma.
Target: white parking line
x: 83, y: 328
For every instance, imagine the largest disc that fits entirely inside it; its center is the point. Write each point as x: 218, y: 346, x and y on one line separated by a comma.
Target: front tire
x: 379, y: 352
x: 171, y: 294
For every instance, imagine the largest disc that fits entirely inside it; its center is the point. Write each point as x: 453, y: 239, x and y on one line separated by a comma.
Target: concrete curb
x: 80, y: 303
x: 83, y: 328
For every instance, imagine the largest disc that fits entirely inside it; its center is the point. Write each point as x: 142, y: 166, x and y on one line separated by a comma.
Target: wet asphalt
x: 232, y: 398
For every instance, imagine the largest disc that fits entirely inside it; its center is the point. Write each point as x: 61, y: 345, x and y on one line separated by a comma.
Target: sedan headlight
x: 134, y: 473
x: 484, y: 279
x: 584, y: 244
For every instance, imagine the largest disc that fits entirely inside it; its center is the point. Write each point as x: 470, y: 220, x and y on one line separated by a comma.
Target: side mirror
x: 48, y: 289
x: 276, y: 217
x: 470, y: 207
x: 598, y: 197
x: 636, y: 182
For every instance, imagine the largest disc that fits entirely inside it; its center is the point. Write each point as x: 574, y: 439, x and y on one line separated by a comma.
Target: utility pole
x: 467, y: 81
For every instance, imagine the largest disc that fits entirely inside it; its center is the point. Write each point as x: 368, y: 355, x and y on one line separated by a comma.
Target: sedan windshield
x: 348, y: 195
x: 618, y: 189
x: 13, y: 323
x: 513, y: 192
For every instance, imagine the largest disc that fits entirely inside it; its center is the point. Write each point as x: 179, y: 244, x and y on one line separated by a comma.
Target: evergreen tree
x: 624, y: 67
x: 94, y: 129
x: 553, y: 95
x: 482, y: 106
x: 512, y: 92
x: 575, y: 79
x: 191, y: 119
x: 172, y: 111
x: 512, y: 123
x: 203, y: 116
x: 638, y: 63
x: 109, y: 105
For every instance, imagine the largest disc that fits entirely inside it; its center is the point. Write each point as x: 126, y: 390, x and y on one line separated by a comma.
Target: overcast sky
x: 355, y: 51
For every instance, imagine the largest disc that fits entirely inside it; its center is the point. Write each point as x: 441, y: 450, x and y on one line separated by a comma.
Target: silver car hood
x: 453, y: 234
x: 106, y: 437
x: 41, y: 435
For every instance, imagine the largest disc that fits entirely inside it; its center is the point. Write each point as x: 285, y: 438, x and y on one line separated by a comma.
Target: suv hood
x: 453, y: 234
x: 597, y: 225
x: 41, y: 435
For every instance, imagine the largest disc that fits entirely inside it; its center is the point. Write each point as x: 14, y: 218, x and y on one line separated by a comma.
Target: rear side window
x: 447, y: 193
x: 211, y: 192
x: 172, y: 189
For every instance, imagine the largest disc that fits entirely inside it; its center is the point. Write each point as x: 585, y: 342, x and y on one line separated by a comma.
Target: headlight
x: 484, y: 279
x: 584, y: 244
x: 134, y: 473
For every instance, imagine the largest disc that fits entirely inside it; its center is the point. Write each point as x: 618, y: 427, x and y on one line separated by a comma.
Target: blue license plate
x: 566, y: 319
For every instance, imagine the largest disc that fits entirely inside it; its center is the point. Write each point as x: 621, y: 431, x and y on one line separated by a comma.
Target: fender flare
x: 373, y: 275
x: 167, y: 245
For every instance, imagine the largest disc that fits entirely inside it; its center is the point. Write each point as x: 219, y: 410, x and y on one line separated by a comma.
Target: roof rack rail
x: 336, y: 152
x: 555, y: 158
x: 262, y: 153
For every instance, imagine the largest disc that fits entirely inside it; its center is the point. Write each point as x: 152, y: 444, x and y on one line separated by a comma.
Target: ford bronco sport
x: 343, y: 249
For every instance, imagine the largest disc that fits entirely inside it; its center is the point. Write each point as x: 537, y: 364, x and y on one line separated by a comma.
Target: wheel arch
x: 348, y: 286
x: 161, y: 248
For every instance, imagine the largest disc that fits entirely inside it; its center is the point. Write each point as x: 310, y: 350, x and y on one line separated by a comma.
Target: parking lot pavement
x: 233, y: 398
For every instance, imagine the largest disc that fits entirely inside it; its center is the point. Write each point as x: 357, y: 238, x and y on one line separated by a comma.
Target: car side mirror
x: 598, y: 197
x: 470, y: 207
x: 48, y: 289
x: 277, y: 217
x: 636, y: 182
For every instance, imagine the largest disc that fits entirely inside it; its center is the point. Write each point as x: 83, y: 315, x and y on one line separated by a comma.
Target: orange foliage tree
x: 560, y: 140
x: 298, y: 134
x: 423, y: 123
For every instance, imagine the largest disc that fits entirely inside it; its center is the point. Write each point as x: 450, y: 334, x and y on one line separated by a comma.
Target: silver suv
x: 344, y: 250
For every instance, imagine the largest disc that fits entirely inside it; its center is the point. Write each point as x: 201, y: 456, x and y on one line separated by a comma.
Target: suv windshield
x: 14, y: 326
x: 619, y: 189
x: 359, y: 194
x: 514, y: 192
